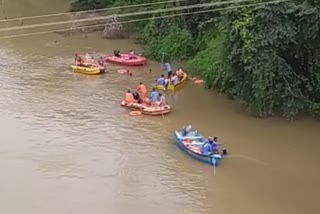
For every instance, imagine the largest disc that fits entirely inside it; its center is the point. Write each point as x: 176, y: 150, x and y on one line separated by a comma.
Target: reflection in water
x: 68, y: 147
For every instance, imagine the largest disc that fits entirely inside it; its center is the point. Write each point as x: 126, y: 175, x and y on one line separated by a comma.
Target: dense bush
x: 77, y: 5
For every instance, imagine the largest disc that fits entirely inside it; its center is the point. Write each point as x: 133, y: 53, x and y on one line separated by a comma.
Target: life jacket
x: 129, y: 98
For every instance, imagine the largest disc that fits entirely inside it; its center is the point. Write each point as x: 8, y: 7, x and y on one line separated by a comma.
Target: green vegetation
x: 267, y: 57
x: 77, y: 5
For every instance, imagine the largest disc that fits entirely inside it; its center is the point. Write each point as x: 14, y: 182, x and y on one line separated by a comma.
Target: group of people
x: 172, y: 78
x: 141, y: 96
x: 88, y: 61
x: 210, y: 146
x: 117, y: 53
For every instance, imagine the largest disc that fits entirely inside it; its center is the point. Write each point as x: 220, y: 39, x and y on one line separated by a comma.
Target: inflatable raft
x: 191, y: 144
x: 172, y: 87
x: 125, y: 60
x: 148, y: 110
x: 92, y: 70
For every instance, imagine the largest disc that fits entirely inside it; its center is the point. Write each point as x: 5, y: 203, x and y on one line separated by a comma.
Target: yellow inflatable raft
x: 94, y: 70
x: 173, y: 87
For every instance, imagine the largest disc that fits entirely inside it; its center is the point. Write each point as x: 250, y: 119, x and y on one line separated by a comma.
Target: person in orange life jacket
x: 129, y: 98
x: 143, y: 90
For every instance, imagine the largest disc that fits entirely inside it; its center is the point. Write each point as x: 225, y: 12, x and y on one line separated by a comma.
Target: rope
x: 130, y: 14
x: 143, y: 19
x: 87, y: 11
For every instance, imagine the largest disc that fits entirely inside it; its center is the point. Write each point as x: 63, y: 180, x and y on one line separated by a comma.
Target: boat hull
x: 87, y: 70
x: 213, y: 160
x: 152, y: 111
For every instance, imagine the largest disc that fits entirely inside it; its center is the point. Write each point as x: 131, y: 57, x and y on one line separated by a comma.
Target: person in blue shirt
x: 210, y: 146
x: 175, y: 79
x: 154, y: 96
x: 215, y: 145
x: 168, y: 68
x: 161, y: 80
x: 207, y: 148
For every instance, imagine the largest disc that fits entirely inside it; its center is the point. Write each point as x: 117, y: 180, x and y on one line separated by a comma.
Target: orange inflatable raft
x: 125, y: 60
x: 148, y: 110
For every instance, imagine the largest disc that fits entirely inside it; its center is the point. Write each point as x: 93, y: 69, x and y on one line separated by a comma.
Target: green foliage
x: 77, y: 5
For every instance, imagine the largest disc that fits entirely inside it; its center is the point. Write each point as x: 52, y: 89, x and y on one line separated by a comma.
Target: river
x: 66, y: 145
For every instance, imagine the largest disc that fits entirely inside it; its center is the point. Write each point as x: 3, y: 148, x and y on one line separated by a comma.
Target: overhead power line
x: 128, y: 14
x: 91, y: 11
x: 259, y: 5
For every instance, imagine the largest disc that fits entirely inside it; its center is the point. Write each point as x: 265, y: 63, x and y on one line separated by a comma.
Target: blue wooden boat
x: 191, y: 143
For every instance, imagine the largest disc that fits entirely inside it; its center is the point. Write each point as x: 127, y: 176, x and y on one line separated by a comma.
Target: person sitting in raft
x: 161, y: 80
x: 154, y: 96
x: 166, y: 84
x: 131, y: 54
x: 180, y: 73
x: 163, y: 100
x: 143, y: 90
x: 136, y: 96
x: 129, y: 98
x: 101, y: 65
x: 116, y: 53
x: 175, y: 80
x: 78, y: 60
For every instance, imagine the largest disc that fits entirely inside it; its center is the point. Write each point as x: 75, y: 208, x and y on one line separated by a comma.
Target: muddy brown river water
x: 66, y: 145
